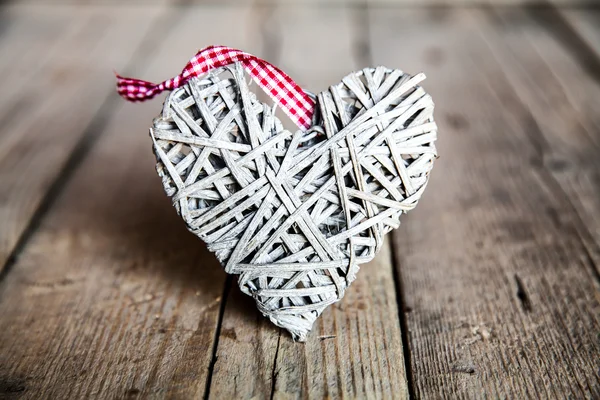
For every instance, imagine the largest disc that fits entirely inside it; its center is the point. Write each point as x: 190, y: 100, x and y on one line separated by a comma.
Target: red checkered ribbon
x: 276, y: 83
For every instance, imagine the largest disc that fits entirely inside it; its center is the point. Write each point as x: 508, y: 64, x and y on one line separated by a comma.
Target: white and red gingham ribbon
x: 276, y: 83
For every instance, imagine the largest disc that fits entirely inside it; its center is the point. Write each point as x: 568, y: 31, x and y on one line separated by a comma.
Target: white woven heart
x: 295, y: 214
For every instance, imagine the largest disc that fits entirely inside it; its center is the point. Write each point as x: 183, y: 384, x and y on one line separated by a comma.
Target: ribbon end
x: 136, y: 89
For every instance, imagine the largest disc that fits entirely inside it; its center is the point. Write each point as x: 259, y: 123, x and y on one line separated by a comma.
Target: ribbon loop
x: 298, y: 105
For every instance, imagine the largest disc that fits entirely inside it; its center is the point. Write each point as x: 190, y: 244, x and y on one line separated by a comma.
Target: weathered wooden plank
x: 586, y: 22
x: 48, y: 105
x: 27, y: 35
x: 355, y: 350
x: 105, y: 3
x: 335, y: 3
x: 554, y: 69
x: 466, y: 3
x: 503, y: 300
x: 112, y: 297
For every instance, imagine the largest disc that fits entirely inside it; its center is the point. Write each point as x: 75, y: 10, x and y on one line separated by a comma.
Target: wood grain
x: 37, y: 29
x: 355, y: 349
x: 503, y: 300
x: 49, y: 106
x: 585, y: 22
x: 112, y: 297
x: 553, y: 68
x: 334, y: 3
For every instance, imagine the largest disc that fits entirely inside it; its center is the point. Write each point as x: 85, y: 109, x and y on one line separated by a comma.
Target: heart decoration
x: 294, y: 215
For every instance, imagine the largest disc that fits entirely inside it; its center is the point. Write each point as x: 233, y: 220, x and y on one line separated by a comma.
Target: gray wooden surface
x: 491, y: 287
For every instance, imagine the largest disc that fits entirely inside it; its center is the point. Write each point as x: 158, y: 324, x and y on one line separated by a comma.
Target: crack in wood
x: 215, y: 348
x: 403, y: 310
x: 522, y: 295
x: 275, y: 371
x: 464, y: 367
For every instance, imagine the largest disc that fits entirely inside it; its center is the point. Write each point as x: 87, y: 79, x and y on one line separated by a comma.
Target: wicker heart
x: 295, y: 214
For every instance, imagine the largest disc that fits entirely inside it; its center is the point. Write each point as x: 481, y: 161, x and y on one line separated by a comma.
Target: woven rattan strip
x: 295, y: 214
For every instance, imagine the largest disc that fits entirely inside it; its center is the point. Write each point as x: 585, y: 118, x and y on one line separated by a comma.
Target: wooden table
x: 491, y: 287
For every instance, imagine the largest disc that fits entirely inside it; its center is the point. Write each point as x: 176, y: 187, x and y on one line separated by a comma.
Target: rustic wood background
x: 491, y: 288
